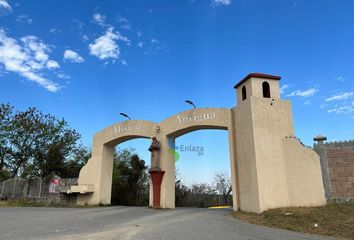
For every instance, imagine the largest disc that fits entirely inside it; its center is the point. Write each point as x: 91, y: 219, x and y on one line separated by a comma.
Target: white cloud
x: 55, y: 31
x: 51, y: 64
x: 282, y: 89
x: 37, y: 50
x: 73, y: 56
x: 216, y: 3
x: 5, y: 8
x: 340, y: 96
x: 347, y: 108
x: 324, y: 105
x: 84, y: 37
x: 343, y: 109
x: 124, y: 23
x: 100, y: 19
x: 303, y: 93
x: 63, y: 76
x: 153, y: 46
x: 28, y: 60
x: 122, y: 20
x: 49, y: 85
x: 340, y: 78
x: 106, y: 45
x: 24, y: 19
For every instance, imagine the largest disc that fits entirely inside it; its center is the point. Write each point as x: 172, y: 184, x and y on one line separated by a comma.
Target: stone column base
x: 156, y: 178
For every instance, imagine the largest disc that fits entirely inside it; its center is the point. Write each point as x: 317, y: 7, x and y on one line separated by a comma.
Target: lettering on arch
x: 195, y: 118
x: 123, y: 129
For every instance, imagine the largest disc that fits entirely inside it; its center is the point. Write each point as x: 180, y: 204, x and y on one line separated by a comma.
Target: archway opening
x: 266, y: 89
x: 130, y: 180
x: 244, y: 93
x: 203, y: 176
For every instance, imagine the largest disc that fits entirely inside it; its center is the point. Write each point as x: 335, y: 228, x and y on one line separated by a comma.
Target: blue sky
x: 87, y: 61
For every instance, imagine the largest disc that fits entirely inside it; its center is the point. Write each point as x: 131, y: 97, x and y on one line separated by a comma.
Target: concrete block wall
x: 337, y: 160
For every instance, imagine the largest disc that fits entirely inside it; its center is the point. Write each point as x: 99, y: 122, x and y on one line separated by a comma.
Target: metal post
x: 13, y: 190
x: 40, y: 189
x: 28, y: 185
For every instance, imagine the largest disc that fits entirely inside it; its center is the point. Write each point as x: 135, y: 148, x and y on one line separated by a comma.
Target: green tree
x: 5, y: 113
x: 55, y: 145
x: 223, y: 185
x: 75, y: 162
x: 130, y: 184
x: 19, y: 132
x: 181, y: 190
x: 181, y: 193
x: 35, y: 144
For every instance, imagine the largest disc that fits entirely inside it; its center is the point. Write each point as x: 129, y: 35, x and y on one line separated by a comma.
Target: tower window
x: 244, y: 93
x: 266, y: 90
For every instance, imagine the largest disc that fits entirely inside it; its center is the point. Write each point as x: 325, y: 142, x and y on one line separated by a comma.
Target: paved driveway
x: 132, y: 223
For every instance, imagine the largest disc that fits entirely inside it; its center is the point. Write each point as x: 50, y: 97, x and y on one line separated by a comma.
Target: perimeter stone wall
x: 337, y: 162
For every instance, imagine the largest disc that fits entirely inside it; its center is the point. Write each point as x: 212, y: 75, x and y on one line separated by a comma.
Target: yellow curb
x: 218, y: 207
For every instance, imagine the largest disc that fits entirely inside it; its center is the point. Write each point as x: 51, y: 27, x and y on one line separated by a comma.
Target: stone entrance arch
x: 97, y: 173
x: 183, y: 123
x: 95, y: 179
x: 269, y: 167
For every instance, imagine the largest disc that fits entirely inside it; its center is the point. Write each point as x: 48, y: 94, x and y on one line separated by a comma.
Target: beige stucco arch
x: 183, y: 123
x: 95, y: 178
x: 269, y: 167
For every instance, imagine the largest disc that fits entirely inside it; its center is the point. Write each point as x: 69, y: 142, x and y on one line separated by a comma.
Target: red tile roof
x: 257, y: 75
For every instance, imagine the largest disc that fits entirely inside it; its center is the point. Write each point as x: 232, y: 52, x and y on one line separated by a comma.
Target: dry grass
x: 335, y: 220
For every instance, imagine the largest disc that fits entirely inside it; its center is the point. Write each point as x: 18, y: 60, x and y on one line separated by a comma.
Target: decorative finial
x: 319, y: 139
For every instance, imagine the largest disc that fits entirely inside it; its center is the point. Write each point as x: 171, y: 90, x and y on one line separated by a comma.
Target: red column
x: 156, y: 178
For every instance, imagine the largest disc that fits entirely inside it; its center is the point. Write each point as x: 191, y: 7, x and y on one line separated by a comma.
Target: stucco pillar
x: 233, y: 165
x: 106, y: 174
x: 98, y: 173
x: 167, y: 161
x: 319, y: 147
